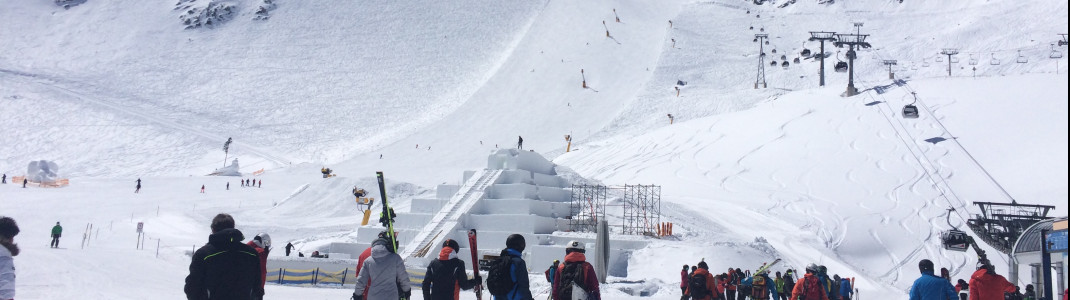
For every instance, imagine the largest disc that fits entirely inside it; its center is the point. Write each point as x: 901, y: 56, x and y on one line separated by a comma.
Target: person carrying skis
x: 846, y: 290
x: 57, y: 231
x: 985, y: 284
x: 382, y: 275
x: 262, y: 244
x: 551, y: 272
x: 701, y: 284
x: 8, y: 250
x: 929, y: 286
x: 508, y: 279
x: 365, y: 255
x: 445, y: 277
x: 576, y: 275
x: 683, y: 280
x: 779, y: 283
x: 224, y: 268
x: 761, y: 287
x: 809, y: 286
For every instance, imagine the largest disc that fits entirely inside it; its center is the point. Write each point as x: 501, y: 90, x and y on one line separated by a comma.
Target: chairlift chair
x: 1021, y: 58
x: 954, y: 60
x: 925, y: 63
x: 973, y: 60
x: 910, y: 111
x: 783, y: 57
x: 806, y: 53
x: 785, y: 64
x: 796, y: 60
x: 994, y: 61
x: 773, y: 63
x: 1055, y: 53
x: 841, y: 67
x: 955, y: 239
x: 939, y: 58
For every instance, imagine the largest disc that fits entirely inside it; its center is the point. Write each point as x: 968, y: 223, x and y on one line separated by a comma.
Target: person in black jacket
x: 225, y: 268
x: 445, y: 277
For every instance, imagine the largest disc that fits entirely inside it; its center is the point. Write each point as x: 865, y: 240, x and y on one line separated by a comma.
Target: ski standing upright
x: 475, y: 261
x: 386, y: 212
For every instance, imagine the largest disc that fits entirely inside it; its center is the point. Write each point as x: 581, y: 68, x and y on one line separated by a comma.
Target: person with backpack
x: 730, y: 286
x: 551, y: 272
x: 779, y: 283
x: 826, y: 283
x: 445, y: 277
x: 929, y: 286
x: 382, y: 275
x: 985, y: 284
x: 744, y: 288
x: 508, y: 278
x: 683, y: 281
x: 963, y: 289
x: 809, y: 286
x: 846, y: 290
x: 576, y: 279
x: 834, y: 285
x: 701, y: 284
x: 761, y: 287
x: 789, y: 283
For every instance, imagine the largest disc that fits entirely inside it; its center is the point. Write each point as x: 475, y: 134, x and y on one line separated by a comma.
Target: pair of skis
x: 393, y: 237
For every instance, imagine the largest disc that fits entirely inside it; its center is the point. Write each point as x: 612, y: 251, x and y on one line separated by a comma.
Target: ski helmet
x: 813, y: 269
x: 516, y: 242
x: 263, y: 240
x: 575, y: 246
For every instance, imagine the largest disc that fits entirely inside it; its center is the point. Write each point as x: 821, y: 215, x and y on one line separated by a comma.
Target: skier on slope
x: 262, y: 244
x: 365, y: 255
x: 382, y: 275
x: 445, y: 277
x: 57, y: 231
x: 789, y: 283
x: 733, y: 282
x: 138, y: 187
x: 809, y: 286
x: 929, y: 286
x: 576, y: 275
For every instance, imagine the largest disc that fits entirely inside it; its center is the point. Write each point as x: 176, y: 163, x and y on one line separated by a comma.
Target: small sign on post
x: 1056, y: 241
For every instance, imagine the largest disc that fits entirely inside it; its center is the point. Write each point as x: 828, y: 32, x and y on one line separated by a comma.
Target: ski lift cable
x: 978, y: 164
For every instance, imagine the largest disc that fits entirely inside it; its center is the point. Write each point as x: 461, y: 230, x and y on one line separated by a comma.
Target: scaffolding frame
x: 640, y: 206
x: 587, y: 207
x: 642, y: 209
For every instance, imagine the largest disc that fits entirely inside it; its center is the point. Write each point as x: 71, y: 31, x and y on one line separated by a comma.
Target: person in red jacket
x: 575, y: 273
x: 708, y: 289
x: 683, y: 280
x: 809, y: 287
x: 262, y: 244
x: 985, y: 284
x: 730, y: 286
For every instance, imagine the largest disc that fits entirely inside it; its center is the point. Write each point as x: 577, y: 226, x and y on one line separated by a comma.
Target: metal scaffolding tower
x: 760, y: 39
x: 587, y: 207
x: 1000, y: 224
x: 642, y: 209
x: 949, y: 52
x: 890, y: 63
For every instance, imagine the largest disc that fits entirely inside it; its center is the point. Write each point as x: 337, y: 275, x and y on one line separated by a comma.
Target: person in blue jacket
x: 521, y: 290
x: 846, y: 290
x: 929, y: 286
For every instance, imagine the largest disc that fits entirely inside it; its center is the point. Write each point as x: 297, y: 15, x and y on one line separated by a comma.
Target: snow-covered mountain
x: 422, y: 90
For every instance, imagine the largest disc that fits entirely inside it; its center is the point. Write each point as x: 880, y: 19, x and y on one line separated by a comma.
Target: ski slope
x: 117, y: 90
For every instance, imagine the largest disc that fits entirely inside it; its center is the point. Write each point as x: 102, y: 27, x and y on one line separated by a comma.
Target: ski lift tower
x: 949, y: 52
x: 760, y: 79
x: 851, y: 41
x: 1001, y: 224
x: 822, y: 36
x: 890, y: 63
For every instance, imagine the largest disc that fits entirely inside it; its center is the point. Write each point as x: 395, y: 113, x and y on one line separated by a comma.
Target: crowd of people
x: 698, y: 283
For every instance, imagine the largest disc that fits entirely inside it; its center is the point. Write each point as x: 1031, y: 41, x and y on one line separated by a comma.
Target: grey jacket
x: 7, y: 274
x: 387, y: 273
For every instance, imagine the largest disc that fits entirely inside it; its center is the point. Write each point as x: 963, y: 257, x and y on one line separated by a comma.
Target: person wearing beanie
x: 518, y: 269
x: 985, y: 284
x: 224, y: 268
x: 383, y: 275
x: 8, y: 230
x: 929, y: 286
x: 576, y: 275
x: 683, y: 280
x: 446, y: 277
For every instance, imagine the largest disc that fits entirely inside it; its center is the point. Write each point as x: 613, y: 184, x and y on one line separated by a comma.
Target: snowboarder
x: 683, y: 280
x: 931, y: 287
x: 289, y: 247
x: 383, y: 275
x: 57, y: 231
x: 576, y: 275
x: 700, y: 285
x: 224, y: 268
x: 519, y: 288
x: 985, y: 284
x: 138, y: 187
x: 8, y: 230
x: 262, y: 244
x: 809, y: 286
x: 202, y: 189
x: 445, y: 277
x: 551, y: 272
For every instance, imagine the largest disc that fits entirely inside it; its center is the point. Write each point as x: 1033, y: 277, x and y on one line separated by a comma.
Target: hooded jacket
x: 519, y: 271
x: 810, y: 288
x: 382, y: 274
x: 984, y: 286
x: 223, y: 269
x: 590, y: 279
x: 7, y: 274
x: 845, y: 288
x: 261, y: 254
x: 446, y: 277
x: 711, y: 286
x: 932, y: 287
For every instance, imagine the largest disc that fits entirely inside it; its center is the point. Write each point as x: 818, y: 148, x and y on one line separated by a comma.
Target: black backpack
x: 572, y: 273
x: 697, y: 286
x: 499, y: 281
